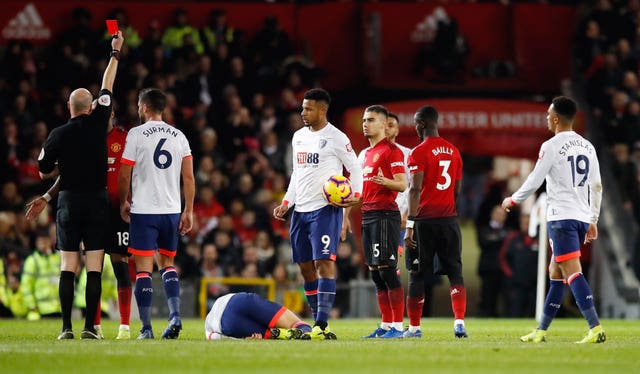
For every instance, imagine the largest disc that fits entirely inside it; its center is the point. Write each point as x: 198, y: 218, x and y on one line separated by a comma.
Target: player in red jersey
x: 433, y: 241
x: 118, y: 230
x: 384, y: 176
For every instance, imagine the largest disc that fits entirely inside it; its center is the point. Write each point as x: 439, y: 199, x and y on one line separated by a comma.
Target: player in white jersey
x: 320, y: 150
x: 248, y: 315
x: 570, y: 166
x: 155, y: 156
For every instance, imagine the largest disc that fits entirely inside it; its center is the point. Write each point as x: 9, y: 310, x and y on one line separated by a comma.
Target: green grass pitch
x: 492, y: 347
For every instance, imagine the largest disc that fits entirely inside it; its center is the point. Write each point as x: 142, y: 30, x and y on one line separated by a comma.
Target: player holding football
x: 570, y: 166
x: 383, y: 171
x: 432, y: 227
x: 118, y: 237
x: 248, y: 315
x: 155, y: 156
x: 320, y: 150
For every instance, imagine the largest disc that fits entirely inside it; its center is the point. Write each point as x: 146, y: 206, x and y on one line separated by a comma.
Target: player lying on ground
x: 248, y: 315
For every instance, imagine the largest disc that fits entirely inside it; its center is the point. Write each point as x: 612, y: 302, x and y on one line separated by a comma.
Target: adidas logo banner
x: 27, y: 24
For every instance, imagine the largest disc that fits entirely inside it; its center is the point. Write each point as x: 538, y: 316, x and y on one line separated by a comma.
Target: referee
x: 76, y: 152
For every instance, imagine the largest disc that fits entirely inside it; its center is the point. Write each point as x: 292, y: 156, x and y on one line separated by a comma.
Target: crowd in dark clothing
x: 608, y: 56
x: 236, y: 97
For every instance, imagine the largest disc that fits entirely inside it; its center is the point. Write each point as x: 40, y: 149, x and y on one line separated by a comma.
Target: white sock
x: 385, y: 325
x: 458, y: 322
x: 124, y: 327
x: 414, y: 328
x: 397, y: 325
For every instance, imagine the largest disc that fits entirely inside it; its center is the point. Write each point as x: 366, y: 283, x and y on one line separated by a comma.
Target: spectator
x: 490, y: 239
x: 174, y: 36
x: 626, y: 175
x: 446, y: 52
x: 590, y: 46
x: 199, y: 84
x: 39, y: 282
x: 217, y: 31
x: 15, y: 298
x: 266, y: 252
x: 518, y: 260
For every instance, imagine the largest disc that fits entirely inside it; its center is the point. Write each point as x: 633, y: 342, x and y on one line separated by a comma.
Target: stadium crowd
x: 236, y: 98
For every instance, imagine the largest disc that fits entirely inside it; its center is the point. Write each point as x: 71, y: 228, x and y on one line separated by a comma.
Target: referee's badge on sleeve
x: 41, y: 155
x: 104, y: 100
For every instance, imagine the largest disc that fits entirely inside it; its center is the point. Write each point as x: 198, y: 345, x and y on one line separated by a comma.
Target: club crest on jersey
x: 376, y: 157
x: 323, y: 143
x: 116, y: 147
x: 349, y: 148
x: 540, y: 155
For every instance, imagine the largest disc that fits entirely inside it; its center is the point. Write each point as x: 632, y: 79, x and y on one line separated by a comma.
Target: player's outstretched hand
x: 353, y: 201
x: 346, y: 227
x: 186, y: 222
x: 507, y: 203
x: 125, y: 211
x: 280, y: 211
x: 35, y: 207
x: 409, y: 241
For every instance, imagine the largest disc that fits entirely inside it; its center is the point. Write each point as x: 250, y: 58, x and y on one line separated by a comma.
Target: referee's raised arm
x: 110, y: 72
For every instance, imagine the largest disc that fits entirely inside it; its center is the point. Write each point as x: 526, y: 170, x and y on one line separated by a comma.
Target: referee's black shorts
x: 380, y: 237
x: 82, y: 217
x: 439, y: 247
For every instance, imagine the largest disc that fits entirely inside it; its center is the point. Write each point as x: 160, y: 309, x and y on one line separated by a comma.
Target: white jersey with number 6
x: 155, y: 150
x: 574, y: 188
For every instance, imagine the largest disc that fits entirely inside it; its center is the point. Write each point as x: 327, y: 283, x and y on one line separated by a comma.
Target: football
x: 336, y: 189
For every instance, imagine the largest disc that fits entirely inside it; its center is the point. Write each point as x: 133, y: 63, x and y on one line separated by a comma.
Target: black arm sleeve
x: 50, y: 152
x: 101, y: 114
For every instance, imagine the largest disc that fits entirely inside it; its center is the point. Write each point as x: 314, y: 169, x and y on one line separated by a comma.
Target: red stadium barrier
x: 537, y: 37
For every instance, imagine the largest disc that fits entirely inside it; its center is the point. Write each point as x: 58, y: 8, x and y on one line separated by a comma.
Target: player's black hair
x: 427, y: 115
x: 393, y: 115
x: 155, y: 99
x: 565, y: 107
x: 318, y: 94
x: 378, y: 109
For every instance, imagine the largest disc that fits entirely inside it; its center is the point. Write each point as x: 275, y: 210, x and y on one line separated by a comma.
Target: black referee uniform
x: 79, y: 148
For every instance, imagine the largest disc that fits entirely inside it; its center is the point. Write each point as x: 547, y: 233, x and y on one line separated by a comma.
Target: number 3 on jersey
x: 161, y: 157
x: 445, y: 174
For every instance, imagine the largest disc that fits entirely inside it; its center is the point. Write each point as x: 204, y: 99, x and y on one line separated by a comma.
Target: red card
x: 112, y: 26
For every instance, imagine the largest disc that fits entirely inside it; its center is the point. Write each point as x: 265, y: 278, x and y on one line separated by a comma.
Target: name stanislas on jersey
x: 575, y: 143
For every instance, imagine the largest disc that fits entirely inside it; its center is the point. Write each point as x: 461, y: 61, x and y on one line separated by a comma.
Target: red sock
x: 132, y: 269
x: 414, y: 309
x: 96, y: 319
x: 385, y: 306
x: 396, y: 299
x: 124, y: 304
x: 458, y: 301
